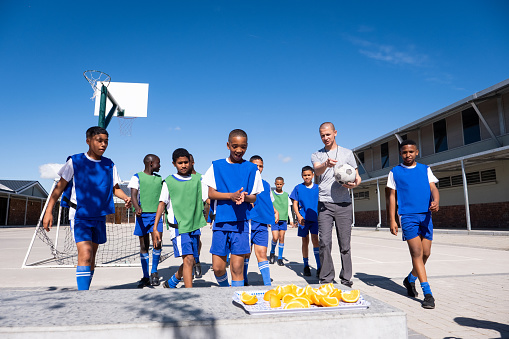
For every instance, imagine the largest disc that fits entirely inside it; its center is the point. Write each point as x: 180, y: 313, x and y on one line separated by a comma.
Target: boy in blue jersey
x: 417, y: 197
x: 145, y: 191
x: 263, y: 215
x: 183, y: 196
x: 94, y: 182
x: 233, y: 185
x: 281, y: 203
x: 305, y: 205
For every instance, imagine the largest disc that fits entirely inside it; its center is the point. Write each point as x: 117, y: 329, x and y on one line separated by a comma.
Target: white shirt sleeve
x: 165, y: 194
x: 208, y: 178
x: 272, y: 196
x: 258, y: 184
x: 204, y: 191
x: 67, y: 171
x: 431, y: 176
x: 390, y: 181
x: 134, y: 182
x: 116, y: 177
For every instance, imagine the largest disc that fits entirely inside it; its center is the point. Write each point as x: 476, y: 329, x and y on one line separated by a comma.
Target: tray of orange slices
x: 291, y: 298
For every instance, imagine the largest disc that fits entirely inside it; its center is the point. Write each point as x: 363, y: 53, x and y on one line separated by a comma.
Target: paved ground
x: 468, y: 274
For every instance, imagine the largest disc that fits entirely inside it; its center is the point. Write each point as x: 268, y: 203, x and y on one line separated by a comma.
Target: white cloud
x: 49, y: 171
x: 177, y: 128
x: 284, y: 159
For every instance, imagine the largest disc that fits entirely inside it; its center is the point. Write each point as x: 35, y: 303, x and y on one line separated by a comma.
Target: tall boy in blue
x: 305, y: 205
x: 417, y: 197
x: 183, y: 196
x: 281, y: 203
x: 263, y: 215
x: 233, y: 184
x: 145, y: 191
x: 94, y: 182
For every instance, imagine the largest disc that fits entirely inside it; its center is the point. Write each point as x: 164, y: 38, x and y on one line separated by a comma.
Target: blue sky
x: 276, y: 69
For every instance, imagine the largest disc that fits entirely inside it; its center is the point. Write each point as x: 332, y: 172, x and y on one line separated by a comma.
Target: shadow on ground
x: 383, y: 282
x: 503, y: 329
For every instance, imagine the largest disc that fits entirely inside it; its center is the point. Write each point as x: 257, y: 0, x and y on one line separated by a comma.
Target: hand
x: 276, y: 215
x: 238, y: 197
x: 138, y: 211
x: 330, y: 162
x: 47, y: 221
x: 394, y: 227
x: 302, y: 221
x: 350, y: 185
x: 156, y: 237
x: 127, y: 201
x: 433, y: 206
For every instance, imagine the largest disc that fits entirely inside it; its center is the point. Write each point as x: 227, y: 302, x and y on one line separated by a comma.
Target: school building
x: 21, y: 202
x: 466, y: 144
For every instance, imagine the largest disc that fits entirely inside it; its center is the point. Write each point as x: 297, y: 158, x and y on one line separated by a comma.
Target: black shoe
x: 347, y: 283
x: 165, y: 284
x: 197, y: 270
x: 318, y: 272
x: 428, y: 302
x: 307, y: 271
x: 410, y: 288
x: 143, y: 282
x: 246, y: 283
x: 280, y: 262
x: 272, y: 258
x: 154, y: 279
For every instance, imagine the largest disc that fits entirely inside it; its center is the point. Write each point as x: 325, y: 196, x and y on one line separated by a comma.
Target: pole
x: 465, y: 192
x: 353, y: 207
x: 379, y: 210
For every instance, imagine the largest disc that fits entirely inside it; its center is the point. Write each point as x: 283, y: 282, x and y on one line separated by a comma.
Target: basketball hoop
x: 125, y: 124
x: 94, y: 77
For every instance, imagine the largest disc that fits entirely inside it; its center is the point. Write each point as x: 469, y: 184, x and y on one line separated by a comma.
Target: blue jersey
x: 308, y: 201
x: 263, y: 211
x: 412, y: 187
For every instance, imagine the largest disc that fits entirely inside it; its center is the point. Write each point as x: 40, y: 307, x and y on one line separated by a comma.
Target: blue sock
x: 264, y: 270
x: 144, y: 264
x: 281, y: 247
x: 316, y: 251
x: 273, y: 247
x: 411, y: 278
x: 173, y: 281
x: 237, y: 283
x: 246, y: 266
x: 425, y: 288
x: 156, y: 254
x: 306, y: 261
x: 223, y: 280
x: 83, y: 277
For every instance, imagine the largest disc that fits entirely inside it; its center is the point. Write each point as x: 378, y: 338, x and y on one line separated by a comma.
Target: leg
x: 237, y: 267
x: 156, y: 254
x: 187, y: 270
x: 415, y: 248
x: 219, y: 268
x: 175, y: 278
x: 305, y: 246
x: 281, y: 247
x: 85, y: 261
x: 426, y: 249
x: 263, y: 264
x: 325, y: 222
x: 343, y: 219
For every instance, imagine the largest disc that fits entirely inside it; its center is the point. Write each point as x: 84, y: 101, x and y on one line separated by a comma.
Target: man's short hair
x: 256, y: 157
x: 237, y: 133
x: 280, y: 178
x: 308, y: 168
x: 149, y: 157
x: 327, y: 124
x: 180, y: 152
x: 407, y: 142
x: 95, y: 130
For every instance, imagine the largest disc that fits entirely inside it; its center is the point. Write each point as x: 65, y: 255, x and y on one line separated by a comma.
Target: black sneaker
x: 428, y: 302
x: 318, y: 272
x: 280, y: 262
x: 143, y: 282
x: 347, y: 283
x: 246, y: 283
x: 197, y: 270
x: 410, y: 288
x: 307, y: 271
x: 272, y: 258
x: 154, y: 279
x: 166, y: 285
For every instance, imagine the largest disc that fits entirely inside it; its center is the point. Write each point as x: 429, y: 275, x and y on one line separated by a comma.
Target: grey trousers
x: 341, y: 214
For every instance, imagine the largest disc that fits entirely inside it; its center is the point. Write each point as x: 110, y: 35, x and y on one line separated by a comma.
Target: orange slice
x: 287, y: 289
x: 304, y: 301
x: 336, y: 293
x: 286, y: 299
x: 293, y: 304
x: 267, y: 294
x: 248, y: 299
x: 350, y: 297
x: 327, y: 288
x: 274, y: 301
x: 294, y: 288
x: 279, y: 291
x: 315, y: 299
x: 329, y: 302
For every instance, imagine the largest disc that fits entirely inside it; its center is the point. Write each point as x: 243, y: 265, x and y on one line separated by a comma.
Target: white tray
x: 263, y: 307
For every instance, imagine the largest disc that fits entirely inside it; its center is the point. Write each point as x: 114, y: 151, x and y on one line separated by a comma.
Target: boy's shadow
x: 490, y: 325
x: 298, y: 268
x: 382, y: 282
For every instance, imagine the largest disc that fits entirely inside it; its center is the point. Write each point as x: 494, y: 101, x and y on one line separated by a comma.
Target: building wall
x: 427, y: 142
x: 454, y: 131
x: 16, y: 212
x: 489, y: 111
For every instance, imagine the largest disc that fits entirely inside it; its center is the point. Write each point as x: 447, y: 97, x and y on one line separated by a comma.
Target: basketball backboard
x: 131, y: 97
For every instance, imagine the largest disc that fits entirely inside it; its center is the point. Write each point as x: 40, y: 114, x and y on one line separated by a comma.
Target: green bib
x: 150, y: 190
x: 281, y: 205
x: 187, y: 204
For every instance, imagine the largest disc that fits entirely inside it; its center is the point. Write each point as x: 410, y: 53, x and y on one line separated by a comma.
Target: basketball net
x: 126, y: 125
x: 97, y: 79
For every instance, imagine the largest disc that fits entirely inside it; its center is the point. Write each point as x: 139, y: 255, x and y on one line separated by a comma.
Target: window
x: 477, y: 177
x: 403, y: 137
x: 471, y: 129
x: 384, y: 153
x: 360, y: 168
x: 361, y: 195
x: 440, y: 134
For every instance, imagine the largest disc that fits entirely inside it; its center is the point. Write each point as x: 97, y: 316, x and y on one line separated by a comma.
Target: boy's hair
x: 237, y: 133
x: 255, y: 157
x: 95, y: 130
x: 280, y: 178
x: 149, y: 157
x: 407, y: 142
x: 180, y: 152
x: 308, y: 168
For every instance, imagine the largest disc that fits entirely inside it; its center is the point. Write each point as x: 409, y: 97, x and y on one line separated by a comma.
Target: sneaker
x: 410, y: 288
x: 428, y: 302
x: 280, y: 262
x: 197, y: 270
x: 272, y: 258
x: 154, y: 279
x: 307, y: 271
x: 143, y: 282
x: 347, y: 283
x: 166, y: 285
x: 318, y: 272
x: 246, y: 283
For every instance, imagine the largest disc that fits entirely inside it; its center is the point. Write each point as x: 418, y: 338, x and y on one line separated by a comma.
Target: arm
x: 392, y: 212
x: 48, y: 215
x: 321, y: 167
x: 120, y: 194
x: 436, y: 197
x: 276, y: 215
x: 300, y: 219
x: 238, y: 197
x: 159, y: 213
x: 134, y: 201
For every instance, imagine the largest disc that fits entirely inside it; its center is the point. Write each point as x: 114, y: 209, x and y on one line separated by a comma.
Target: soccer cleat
x: 280, y: 262
x: 154, y: 279
x: 410, y: 288
x: 428, y: 302
x: 272, y: 258
x: 307, y: 271
x: 197, y: 271
x: 143, y: 282
x: 318, y: 272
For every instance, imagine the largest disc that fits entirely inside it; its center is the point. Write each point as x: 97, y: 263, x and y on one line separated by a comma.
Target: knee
x: 426, y: 254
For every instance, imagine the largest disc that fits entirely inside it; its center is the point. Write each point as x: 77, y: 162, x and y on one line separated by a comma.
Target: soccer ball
x: 344, y: 174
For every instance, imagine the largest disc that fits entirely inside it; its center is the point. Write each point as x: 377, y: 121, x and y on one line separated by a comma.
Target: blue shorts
x: 93, y: 230
x: 259, y: 234
x: 185, y: 244
x: 145, y: 224
x: 224, y: 242
x: 309, y: 227
x: 280, y: 226
x: 416, y: 224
